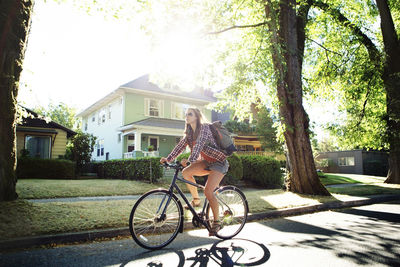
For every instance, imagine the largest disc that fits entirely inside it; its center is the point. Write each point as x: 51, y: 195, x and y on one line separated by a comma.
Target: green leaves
x: 60, y: 113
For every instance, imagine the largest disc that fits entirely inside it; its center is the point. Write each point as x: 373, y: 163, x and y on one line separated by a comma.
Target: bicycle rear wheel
x: 233, y: 209
x: 149, y: 228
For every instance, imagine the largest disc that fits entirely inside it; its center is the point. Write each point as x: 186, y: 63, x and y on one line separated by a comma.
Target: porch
x: 135, y: 154
x: 152, y: 137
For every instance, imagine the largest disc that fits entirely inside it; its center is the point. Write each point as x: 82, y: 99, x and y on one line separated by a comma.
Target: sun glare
x: 180, y: 59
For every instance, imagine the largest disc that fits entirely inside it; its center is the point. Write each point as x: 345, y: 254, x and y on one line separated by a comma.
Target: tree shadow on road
x: 366, y: 239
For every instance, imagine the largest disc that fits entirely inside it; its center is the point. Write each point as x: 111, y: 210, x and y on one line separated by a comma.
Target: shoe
x: 195, y: 203
x: 216, y: 226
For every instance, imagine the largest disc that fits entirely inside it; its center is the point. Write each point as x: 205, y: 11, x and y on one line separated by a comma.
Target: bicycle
x: 157, y: 216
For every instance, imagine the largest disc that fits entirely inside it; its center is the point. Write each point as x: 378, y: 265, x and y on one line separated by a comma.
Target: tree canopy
x: 60, y: 113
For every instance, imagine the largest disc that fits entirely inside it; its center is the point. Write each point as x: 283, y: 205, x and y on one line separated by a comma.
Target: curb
x: 28, y: 242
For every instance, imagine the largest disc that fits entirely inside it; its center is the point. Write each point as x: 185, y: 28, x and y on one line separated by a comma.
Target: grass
x: 44, y: 188
x: 330, y: 179
x: 23, y: 218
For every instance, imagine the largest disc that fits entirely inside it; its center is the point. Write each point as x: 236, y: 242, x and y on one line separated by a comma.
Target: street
x: 367, y: 235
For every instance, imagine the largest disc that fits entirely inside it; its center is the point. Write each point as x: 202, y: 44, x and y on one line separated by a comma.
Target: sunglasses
x: 190, y: 114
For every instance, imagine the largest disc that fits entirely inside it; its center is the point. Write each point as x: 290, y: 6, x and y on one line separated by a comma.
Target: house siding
x: 134, y: 108
x: 59, y: 145
x: 20, y: 142
x: 107, y: 130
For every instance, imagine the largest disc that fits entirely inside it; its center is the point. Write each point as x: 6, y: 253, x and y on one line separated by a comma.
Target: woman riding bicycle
x: 205, y: 159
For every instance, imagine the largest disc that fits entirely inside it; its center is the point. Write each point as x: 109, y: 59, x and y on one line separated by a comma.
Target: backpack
x: 222, y: 138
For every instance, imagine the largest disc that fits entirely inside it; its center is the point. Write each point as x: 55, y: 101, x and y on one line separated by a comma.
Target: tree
x: 370, y: 75
x: 61, y: 113
x: 266, y: 131
x: 288, y: 37
x: 81, y: 148
x: 15, y: 19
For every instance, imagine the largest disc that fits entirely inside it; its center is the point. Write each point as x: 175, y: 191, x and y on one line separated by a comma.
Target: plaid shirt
x: 205, y: 143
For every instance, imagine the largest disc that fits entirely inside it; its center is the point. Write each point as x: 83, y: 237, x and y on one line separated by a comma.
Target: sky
x: 76, y: 58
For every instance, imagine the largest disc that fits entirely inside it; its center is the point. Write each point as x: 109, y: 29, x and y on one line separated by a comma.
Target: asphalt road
x: 368, y: 235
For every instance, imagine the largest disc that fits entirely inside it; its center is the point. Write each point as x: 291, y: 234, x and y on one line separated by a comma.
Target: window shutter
x: 161, y: 108
x: 146, y: 106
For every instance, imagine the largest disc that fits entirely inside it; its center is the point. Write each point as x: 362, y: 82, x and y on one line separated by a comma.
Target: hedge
x: 45, y: 168
x: 130, y: 169
x: 263, y: 171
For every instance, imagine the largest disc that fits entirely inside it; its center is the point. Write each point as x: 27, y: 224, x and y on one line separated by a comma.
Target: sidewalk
x: 34, y: 241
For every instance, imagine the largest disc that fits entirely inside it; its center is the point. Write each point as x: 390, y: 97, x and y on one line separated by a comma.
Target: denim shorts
x: 219, y: 166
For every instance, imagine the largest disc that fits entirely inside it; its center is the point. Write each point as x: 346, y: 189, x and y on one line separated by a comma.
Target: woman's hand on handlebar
x: 163, y: 160
x: 184, y: 162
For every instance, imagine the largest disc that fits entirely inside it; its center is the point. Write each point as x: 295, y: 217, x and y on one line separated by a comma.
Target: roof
x: 143, y: 83
x: 158, y: 122
x: 41, y: 123
x: 144, y: 86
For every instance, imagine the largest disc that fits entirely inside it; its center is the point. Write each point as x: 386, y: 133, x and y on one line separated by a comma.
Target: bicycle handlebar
x: 176, y: 165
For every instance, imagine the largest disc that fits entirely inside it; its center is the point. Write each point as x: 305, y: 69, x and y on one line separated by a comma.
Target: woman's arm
x: 178, y: 149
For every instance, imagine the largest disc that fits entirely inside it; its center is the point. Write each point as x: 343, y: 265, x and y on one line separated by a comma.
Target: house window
x: 102, y: 116
x: 154, y: 108
x: 109, y: 112
x: 38, y: 146
x: 178, y: 110
x: 119, y: 137
x: 346, y: 161
x: 94, y: 118
x: 100, y: 148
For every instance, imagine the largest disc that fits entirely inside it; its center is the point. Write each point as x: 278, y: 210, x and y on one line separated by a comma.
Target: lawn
x: 330, y: 179
x: 45, y: 188
x: 23, y: 218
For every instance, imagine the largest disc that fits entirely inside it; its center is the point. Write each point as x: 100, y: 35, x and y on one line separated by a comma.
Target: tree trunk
x: 287, y: 64
x: 14, y: 27
x: 391, y: 78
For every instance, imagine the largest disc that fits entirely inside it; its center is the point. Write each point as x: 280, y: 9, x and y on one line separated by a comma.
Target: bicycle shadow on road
x: 233, y: 252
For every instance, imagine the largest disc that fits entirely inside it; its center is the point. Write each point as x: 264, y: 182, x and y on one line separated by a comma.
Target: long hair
x: 200, y: 120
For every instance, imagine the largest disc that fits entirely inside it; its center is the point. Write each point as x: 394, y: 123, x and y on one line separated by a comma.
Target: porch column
x: 138, y: 141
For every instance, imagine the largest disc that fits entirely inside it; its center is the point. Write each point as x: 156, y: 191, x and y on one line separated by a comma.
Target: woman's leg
x: 214, y: 178
x: 197, y: 169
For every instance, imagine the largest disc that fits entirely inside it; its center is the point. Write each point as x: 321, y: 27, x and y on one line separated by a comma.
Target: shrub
x: 183, y: 156
x: 263, y: 171
x: 235, y: 172
x: 130, y: 169
x: 45, y: 168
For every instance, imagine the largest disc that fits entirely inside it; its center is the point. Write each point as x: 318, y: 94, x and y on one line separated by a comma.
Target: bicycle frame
x: 175, y: 186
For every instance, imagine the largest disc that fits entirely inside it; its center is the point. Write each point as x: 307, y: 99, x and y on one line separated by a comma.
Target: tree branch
x: 373, y: 52
x: 239, y: 27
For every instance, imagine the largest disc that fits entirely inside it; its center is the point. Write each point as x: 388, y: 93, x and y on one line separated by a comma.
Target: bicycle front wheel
x: 148, y: 226
x: 232, y: 210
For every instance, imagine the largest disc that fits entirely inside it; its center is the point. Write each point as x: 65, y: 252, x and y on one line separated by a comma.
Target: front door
x: 153, y: 141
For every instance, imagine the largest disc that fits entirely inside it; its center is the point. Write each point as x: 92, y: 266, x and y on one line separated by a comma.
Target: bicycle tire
x: 147, y: 228
x: 233, y: 218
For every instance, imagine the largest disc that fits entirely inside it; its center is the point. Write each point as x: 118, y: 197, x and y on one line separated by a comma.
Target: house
x: 139, y: 117
x: 355, y: 161
x: 247, y: 142
x: 42, y: 139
